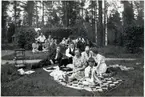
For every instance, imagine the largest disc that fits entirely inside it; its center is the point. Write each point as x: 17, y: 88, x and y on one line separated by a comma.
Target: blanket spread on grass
x: 108, y: 82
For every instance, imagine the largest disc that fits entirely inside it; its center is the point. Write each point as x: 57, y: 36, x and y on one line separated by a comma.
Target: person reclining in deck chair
x: 53, y: 58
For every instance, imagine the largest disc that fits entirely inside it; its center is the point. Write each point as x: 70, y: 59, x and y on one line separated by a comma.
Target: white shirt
x: 41, y: 38
x: 87, y: 56
x: 67, y: 52
x: 56, y: 55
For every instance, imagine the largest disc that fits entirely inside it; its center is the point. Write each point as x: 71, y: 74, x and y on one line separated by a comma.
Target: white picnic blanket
x: 83, y: 84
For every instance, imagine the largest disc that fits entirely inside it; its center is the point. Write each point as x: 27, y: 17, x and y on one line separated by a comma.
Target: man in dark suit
x: 56, y: 56
x: 53, y: 58
x: 67, y: 59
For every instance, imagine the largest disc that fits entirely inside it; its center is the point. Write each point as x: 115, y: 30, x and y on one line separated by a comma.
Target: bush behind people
x: 25, y: 37
x: 58, y: 33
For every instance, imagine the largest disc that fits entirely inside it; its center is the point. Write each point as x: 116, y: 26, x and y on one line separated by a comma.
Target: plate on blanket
x: 66, y: 69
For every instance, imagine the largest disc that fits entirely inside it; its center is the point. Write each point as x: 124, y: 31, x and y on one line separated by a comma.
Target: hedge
x: 25, y: 37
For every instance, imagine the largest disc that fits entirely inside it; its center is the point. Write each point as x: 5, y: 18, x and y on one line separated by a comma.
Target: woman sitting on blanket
x: 100, y: 60
x: 78, y: 70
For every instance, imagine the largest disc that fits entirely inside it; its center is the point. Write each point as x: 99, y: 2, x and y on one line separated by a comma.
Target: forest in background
x: 112, y: 22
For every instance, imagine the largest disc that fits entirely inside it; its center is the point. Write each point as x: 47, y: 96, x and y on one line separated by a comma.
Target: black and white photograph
x: 72, y: 48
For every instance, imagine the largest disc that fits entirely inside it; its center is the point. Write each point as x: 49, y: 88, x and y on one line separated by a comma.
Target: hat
x: 91, y: 59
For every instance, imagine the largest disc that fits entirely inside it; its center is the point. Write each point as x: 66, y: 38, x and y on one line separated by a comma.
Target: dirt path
x: 36, y: 61
x: 6, y: 52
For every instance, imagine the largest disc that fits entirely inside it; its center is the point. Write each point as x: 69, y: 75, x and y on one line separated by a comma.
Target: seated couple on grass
x: 56, y: 57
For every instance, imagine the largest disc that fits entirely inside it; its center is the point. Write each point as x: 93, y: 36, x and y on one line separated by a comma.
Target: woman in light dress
x: 101, y: 65
x: 79, y: 66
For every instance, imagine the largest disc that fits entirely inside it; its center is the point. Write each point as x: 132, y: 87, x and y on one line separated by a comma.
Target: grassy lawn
x: 28, y: 55
x: 41, y: 84
x: 6, y: 52
x: 108, y: 52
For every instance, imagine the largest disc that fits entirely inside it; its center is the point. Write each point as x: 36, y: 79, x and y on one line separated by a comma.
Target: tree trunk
x: 30, y: 12
x: 96, y: 20
x: 43, y: 13
x: 15, y: 11
x: 36, y: 16
x: 100, y: 26
x: 105, y: 24
x: 93, y: 21
x: 66, y: 19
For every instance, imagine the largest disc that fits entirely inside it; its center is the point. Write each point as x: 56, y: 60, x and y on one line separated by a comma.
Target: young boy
x: 91, y: 75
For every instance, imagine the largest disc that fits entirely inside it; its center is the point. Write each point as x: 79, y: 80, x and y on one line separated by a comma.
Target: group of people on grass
x: 43, y: 44
x: 46, y: 44
x: 84, y: 63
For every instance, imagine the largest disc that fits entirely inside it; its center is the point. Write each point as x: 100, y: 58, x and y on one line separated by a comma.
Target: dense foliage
x: 103, y: 25
x: 25, y: 37
x: 57, y: 33
x: 134, y: 38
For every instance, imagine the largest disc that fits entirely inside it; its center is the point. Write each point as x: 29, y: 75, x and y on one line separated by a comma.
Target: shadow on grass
x: 28, y: 55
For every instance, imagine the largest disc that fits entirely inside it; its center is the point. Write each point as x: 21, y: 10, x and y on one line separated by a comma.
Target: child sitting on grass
x: 91, y: 75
